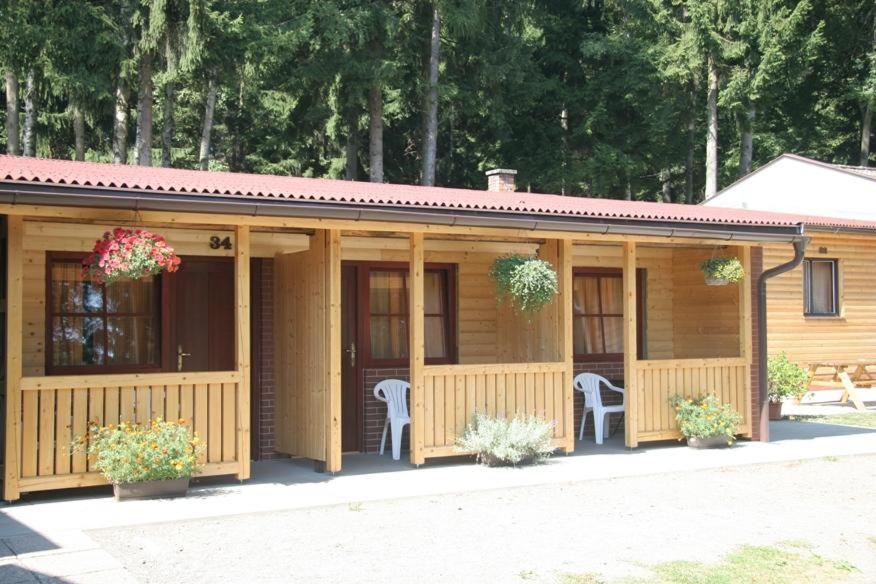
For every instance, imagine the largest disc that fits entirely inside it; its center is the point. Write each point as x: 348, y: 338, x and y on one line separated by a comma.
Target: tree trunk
x: 11, y: 113
x: 352, y: 149
x: 666, y: 185
x: 167, y: 126
x: 866, y: 130
x: 120, y: 124
x: 375, y: 134
x: 207, y: 127
x: 29, y: 114
x: 712, y: 136
x: 78, y: 132
x: 430, y: 135
x: 746, y: 151
x: 691, y: 148
x: 144, y: 112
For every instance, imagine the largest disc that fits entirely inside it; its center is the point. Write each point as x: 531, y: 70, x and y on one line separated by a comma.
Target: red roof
x: 15, y: 169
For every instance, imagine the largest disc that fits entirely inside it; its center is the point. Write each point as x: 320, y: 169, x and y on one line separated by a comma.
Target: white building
x: 798, y: 185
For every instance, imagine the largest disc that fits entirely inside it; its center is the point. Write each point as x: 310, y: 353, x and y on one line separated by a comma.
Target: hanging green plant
x: 529, y: 282
x: 722, y: 271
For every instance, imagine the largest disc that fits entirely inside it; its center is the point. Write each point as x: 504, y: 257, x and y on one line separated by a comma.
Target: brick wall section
x: 266, y: 405
x: 756, y: 271
x: 374, y: 410
x: 614, y: 372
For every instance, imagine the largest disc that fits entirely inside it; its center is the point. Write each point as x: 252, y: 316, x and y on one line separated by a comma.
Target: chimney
x: 501, y: 180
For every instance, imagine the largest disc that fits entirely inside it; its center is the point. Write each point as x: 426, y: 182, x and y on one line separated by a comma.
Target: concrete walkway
x: 42, y: 536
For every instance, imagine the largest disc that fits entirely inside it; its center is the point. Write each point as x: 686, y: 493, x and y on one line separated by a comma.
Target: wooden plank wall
x: 657, y: 381
x: 847, y: 337
x: 301, y: 362
x: 453, y: 393
x: 57, y: 410
x: 705, y: 318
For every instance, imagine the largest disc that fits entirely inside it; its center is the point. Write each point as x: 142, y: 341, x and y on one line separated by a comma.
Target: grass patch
x: 854, y: 419
x: 872, y: 539
x: 787, y: 563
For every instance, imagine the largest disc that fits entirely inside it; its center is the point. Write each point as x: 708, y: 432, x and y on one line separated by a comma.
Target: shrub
x: 729, y: 269
x: 529, y: 282
x: 499, y: 441
x: 133, y: 453
x: 785, y: 378
x: 705, y: 417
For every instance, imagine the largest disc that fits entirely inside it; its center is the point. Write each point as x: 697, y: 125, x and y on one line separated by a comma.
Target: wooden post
x: 14, y: 306
x: 566, y: 351
x: 333, y: 351
x: 745, y: 332
x: 242, y: 288
x: 631, y: 396
x: 416, y: 348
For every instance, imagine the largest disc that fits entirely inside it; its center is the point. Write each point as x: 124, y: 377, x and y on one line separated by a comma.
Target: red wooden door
x: 201, y: 316
x: 351, y: 363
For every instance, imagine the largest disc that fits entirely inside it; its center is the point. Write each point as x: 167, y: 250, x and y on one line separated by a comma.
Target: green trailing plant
x: 785, y: 379
x: 529, y: 282
x: 134, y: 453
x: 723, y: 269
x: 501, y: 442
x: 705, y: 417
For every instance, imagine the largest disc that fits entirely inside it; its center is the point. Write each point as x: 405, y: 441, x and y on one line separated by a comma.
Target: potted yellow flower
x: 153, y: 460
x: 705, y: 421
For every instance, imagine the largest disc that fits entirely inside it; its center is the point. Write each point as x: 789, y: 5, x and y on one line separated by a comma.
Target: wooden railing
x: 657, y: 381
x: 453, y: 393
x: 55, y: 411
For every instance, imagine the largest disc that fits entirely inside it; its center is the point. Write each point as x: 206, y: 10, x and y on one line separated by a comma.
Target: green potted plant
x: 507, y: 442
x: 145, y: 460
x: 529, y: 282
x: 784, y: 379
x: 722, y: 271
x: 705, y: 422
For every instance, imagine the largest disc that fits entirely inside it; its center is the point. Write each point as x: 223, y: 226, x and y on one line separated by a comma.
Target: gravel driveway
x: 609, y: 527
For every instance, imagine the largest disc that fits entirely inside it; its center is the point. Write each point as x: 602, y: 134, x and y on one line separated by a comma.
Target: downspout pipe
x: 762, y: 355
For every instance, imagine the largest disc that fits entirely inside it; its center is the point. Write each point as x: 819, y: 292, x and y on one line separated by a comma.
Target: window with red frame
x: 387, y: 317
x: 100, y: 328
x: 597, y: 314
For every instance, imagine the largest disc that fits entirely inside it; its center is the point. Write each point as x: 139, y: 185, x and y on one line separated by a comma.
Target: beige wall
x: 849, y: 336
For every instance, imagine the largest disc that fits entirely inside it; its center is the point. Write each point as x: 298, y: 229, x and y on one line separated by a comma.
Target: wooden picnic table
x: 845, y: 375
x: 859, y: 371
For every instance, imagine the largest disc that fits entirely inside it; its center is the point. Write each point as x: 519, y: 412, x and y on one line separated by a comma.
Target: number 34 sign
x: 217, y: 242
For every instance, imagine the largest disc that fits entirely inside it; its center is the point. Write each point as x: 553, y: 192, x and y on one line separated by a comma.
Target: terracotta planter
x: 151, y: 489
x: 775, y: 410
x: 708, y: 442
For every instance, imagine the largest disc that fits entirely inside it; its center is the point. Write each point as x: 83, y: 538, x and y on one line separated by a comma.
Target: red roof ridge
x: 15, y: 169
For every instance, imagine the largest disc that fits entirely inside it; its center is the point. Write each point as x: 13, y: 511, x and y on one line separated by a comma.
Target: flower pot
x: 151, y: 489
x: 707, y: 442
x: 775, y: 410
x: 710, y: 281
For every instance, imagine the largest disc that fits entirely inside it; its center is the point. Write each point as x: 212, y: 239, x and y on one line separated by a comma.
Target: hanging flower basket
x: 529, y: 282
x: 722, y: 271
x: 128, y: 254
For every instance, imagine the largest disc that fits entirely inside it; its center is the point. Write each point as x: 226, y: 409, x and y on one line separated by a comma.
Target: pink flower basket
x: 128, y: 254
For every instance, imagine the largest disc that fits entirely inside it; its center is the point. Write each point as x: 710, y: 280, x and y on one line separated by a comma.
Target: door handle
x: 352, y: 352
x: 179, y: 357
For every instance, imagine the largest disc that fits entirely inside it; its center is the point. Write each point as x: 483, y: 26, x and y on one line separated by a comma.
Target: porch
x: 665, y: 331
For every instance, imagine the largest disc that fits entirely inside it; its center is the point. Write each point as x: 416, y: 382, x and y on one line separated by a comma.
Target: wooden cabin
x: 295, y: 296
x: 825, y: 309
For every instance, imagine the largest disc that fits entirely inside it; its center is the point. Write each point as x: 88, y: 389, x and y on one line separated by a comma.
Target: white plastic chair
x: 394, y: 392
x: 588, y: 384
